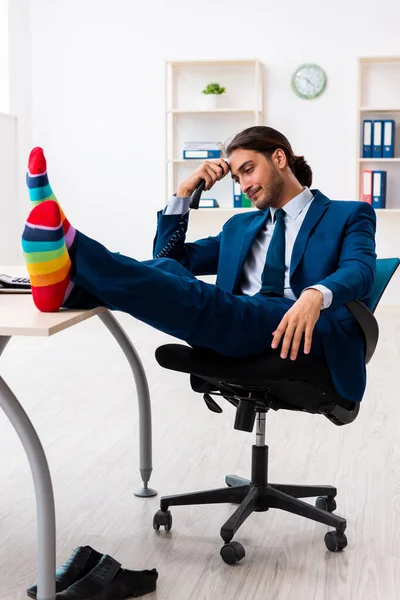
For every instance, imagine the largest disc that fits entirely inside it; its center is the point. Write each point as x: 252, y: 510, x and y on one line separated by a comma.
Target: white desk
x: 19, y: 316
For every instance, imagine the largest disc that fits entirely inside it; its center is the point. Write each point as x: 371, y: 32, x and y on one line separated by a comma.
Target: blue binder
x: 379, y: 189
x: 237, y: 195
x: 367, y: 139
x: 388, y: 139
x: 377, y: 136
x: 208, y: 203
x: 206, y: 154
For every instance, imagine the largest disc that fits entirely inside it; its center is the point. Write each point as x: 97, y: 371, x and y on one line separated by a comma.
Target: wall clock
x: 308, y: 81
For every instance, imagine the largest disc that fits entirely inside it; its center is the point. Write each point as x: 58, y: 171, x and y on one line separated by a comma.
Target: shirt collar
x: 294, y: 207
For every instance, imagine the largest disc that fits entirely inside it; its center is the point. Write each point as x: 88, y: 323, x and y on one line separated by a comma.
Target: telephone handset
x: 181, y: 230
x: 195, y: 199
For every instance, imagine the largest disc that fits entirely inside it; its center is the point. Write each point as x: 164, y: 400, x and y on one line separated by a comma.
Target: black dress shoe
x: 107, y: 581
x: 81, y: 561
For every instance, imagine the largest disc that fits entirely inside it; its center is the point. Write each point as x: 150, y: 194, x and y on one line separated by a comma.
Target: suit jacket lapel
x: 318, y: 206
x: 249, y: 236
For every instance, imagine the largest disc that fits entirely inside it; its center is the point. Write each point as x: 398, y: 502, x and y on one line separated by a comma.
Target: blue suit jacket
x: 335, y: 247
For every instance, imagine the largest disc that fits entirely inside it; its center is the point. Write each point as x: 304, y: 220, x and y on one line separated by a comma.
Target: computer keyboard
x: 14, y: 283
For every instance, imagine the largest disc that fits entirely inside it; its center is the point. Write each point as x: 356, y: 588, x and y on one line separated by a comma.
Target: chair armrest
x: 368, y: 324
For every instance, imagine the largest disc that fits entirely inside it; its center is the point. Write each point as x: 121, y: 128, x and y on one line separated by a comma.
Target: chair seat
x: 302, y: 384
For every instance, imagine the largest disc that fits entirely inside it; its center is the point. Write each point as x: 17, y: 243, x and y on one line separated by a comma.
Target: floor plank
x: 78, y: 390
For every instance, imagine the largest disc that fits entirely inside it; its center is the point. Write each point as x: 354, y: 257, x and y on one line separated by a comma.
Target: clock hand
x: 310, y: 82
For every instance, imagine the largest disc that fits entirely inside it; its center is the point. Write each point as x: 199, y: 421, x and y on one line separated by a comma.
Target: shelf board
x: 372, y: 109
x: 225, y: 209
x: 378, y: 160
x: 379, y: 59
x: 235, y: 210
x: 214, y: 63
x: 193, y: 111
x: 176, y: 161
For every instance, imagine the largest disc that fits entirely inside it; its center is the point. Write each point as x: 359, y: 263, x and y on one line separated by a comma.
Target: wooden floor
x: 78, y: 390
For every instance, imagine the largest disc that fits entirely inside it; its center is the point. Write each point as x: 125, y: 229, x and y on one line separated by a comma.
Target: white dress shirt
x: 295, y: 212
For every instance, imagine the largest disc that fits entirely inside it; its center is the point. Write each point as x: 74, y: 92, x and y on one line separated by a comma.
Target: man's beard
x: 273, y: 192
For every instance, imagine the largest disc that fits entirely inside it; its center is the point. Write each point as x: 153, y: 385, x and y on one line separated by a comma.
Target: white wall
x: 98, y: 93
x: 20, y: 96
x: 4, y: 56
x: 15, y: 130
x: 10, y: 247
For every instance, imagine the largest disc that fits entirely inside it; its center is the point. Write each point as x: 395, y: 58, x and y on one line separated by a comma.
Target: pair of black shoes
x: 90, y: 575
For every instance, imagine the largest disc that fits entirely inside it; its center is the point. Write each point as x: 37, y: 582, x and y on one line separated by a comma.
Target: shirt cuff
x: 177, y: 206
x: 326, y: 293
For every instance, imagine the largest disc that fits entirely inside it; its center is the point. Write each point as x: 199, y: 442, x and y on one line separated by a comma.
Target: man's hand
x: 299, y: 319
x: 211, y: 171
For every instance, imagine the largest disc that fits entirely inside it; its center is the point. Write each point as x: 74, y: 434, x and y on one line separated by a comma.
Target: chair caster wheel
x: 162, y: 518
x: 326, y: 503
x: 335, y: 541
x: 232, y: 552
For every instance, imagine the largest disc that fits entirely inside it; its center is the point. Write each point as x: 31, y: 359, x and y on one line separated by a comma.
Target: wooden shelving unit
x: 378, y: 98
x: 188, y: 119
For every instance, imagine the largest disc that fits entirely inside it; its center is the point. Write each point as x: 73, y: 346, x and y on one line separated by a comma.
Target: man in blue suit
x: 284, y: 271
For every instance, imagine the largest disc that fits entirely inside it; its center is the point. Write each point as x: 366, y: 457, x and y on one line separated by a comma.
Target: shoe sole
x: 136, y: 594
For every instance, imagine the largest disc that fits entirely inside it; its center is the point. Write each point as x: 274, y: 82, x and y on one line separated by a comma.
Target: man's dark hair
x: 266, y: 140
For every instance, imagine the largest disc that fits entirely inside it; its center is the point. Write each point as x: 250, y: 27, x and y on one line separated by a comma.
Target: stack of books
x: 374, y: 188
x: 378, y: 138
x: 202, y: 150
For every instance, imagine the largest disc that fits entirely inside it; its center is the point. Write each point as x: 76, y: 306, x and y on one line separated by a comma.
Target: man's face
x: 258, y: 177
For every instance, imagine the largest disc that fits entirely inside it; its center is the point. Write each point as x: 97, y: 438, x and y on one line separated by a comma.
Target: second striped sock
x: 40, y: 189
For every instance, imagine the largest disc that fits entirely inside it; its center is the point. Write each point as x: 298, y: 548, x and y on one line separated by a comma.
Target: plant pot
x: 213, y: 101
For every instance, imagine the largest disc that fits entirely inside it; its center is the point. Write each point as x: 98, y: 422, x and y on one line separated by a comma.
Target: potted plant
x: 213, y: 93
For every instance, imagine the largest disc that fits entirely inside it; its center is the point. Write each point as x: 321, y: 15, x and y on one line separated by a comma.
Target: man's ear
x: 279, y: 158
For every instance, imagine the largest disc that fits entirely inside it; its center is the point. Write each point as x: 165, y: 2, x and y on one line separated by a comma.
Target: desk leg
x: 142, y: 388
x: 46, y: 520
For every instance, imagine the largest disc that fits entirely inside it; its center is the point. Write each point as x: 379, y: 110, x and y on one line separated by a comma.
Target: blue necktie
x: 273, y: 276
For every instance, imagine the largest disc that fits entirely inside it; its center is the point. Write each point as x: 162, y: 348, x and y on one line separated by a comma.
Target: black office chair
x: 254, y: 386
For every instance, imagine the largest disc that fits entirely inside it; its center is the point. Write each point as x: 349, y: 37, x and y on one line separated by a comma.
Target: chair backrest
x: 385, y: 269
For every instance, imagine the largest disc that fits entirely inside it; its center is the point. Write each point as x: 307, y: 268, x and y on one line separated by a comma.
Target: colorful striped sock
x: 46, y: 257
x: 40, y: 189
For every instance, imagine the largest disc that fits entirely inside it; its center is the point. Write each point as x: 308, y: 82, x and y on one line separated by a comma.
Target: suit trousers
x: 166, y: 296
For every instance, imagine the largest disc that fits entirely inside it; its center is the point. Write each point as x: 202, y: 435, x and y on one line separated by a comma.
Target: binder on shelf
x: 208, y: 203
x: 388, y: 139
x: 246, y: 202
x: 379, y: 189
x: 367, y: 139
x: 190, y: 154
x: 237, y: 195
x: 377, y: 139
x: 367, y: 187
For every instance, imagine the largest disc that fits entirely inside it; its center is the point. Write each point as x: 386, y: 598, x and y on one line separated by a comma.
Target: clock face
x: 308, y: 81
